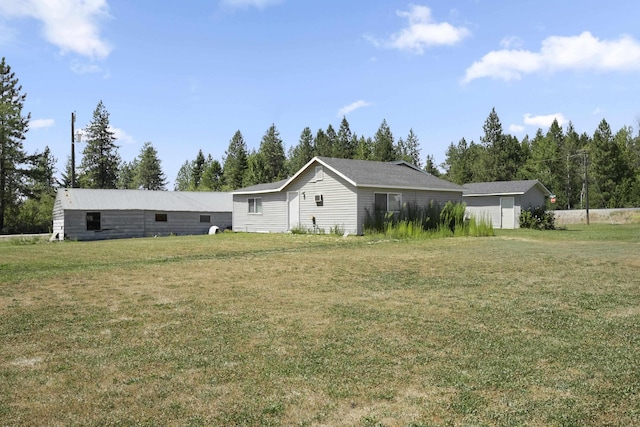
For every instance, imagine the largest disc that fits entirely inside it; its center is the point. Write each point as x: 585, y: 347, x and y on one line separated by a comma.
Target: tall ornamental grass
x: 433, y: 220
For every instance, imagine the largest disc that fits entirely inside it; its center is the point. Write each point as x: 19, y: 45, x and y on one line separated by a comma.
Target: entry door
x: 508, y: 213
x: 294, y: 209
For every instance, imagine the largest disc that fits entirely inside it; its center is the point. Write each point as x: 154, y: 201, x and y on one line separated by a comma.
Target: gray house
x: 329, y: 192
x: 502, y: 201
x: 85, y: 214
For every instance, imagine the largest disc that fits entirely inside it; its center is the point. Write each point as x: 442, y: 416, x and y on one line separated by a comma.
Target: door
x: 294, y: 209
x: 507, y: 212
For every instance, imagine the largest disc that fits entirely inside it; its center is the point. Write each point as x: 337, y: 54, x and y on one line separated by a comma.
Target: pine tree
x: 324, y: 142
x: 197, y: 169
x: 148, y: 171
x: 383, y: 144
x: 343, y: 147
x: 127, y: 175
x: 272, y: 155
x: 212, y: 176
x: 491, y: 143
x: 255, y: 173
x: 364, y: 149
x: 235, y: 162
x: 100, y: 161
x: 301, y: 153
x: 430, y: 166
x: 183, y: 178
x: 13, y: 126
x: 409, y: 149
x: 607, y: 168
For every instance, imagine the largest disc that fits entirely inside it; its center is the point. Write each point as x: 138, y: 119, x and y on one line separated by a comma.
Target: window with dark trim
x: 255, y: 205
x: 93, y: 221
x: 387, y: 202
x: 205, y: 218
x: 161, y: 217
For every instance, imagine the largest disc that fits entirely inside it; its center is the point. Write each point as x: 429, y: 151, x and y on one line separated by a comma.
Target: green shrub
x: 537, y: 218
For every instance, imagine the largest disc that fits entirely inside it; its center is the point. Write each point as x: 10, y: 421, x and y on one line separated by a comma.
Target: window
x: 205, y: 218
x: 255, y: 205
x: 388, y: 202
x: 161, y: 217
x: 319, y: 173
x: 93, y: 221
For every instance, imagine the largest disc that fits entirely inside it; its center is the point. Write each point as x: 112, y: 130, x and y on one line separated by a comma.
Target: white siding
x: 489, y: 206
x: 58, y: 220
x: 417, y: 197
x: 136, y: 223
x: 272, y: 219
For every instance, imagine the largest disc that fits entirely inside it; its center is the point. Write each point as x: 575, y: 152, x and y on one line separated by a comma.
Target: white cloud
x: 582, y: 52
x: 72, y: 25
x: 122, y: 136
x: 41, y: 123
x: 516, y: 128
x: 422, y: 32
x: 544, y: 121
x: 352, y: 107
x: 84, y: 68
x: 511, y: 42
x: 597, y: 111
x: 239, y: 4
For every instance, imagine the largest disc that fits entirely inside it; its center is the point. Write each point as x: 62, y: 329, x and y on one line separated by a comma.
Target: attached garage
x: 502, y: 201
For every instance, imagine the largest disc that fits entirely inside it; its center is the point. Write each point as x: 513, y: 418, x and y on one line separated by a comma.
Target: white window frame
x: 254, y: 205
x: 388, y: 198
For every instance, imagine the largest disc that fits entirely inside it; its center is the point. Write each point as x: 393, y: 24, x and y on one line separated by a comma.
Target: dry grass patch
x: 303, y: 330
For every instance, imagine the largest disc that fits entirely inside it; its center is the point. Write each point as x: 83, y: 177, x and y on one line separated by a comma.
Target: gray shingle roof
x: 366, y: 173
x: 502, y: 187
x: 170, y: 201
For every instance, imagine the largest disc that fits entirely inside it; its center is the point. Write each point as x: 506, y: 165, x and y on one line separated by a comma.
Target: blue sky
x: 187, y: 75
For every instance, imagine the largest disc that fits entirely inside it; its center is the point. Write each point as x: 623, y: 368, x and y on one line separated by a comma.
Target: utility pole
x: 586, y: 182
x: 73, y: 150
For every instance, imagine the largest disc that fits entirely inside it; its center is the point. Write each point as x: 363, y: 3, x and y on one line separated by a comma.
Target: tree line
x: 561, y: 159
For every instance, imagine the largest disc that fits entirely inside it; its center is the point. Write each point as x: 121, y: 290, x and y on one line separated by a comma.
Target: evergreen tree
x: 364, y: 149
x: 235, y: 162
x: 301, y: 153
x: 343, y: 147
x: 255, y: 173
x: 324, y: 142
x: 148, y: 171
x: 606, y: 168
x: 459, y: 162
x: 127, y: 175
x: 65, y: 177
x: 430, y: 166
x: 183, y: 179
x: 212, y: 176
x: 272, y: 155
x: 409, y: 149
x: 197, y: 169
x: 492, y: 142
x: 100, y: 161
x: 13, y: 126
x: 383, y: 144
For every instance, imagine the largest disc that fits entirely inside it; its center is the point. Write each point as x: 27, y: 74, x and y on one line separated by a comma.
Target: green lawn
x: 525, y: 328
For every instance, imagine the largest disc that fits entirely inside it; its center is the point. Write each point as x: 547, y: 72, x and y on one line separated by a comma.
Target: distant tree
x: 13, y: 127
x: 344, y: 147
x: 431, y: 167
x: 383, y: 144
x: 34, y: 213
x: 148, y: 170
x: 100, y: 161
x: 255, y: 173
x: 127, y: 175
x: 212, y: 176
x: 608, y: 169
x: 325, y: 141
x: 364, y: 149
x: 65, y: 177
x: 197, y: 169
x: 491, y: 143
x: 409, y: 149
x: 301, y: 153
x: 183, y: 179
x: 459, y: 162
x: 235, y: 162
x: 272, y: 155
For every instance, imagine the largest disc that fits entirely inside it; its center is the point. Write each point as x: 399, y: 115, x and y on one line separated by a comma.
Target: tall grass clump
x: 432, y: 220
